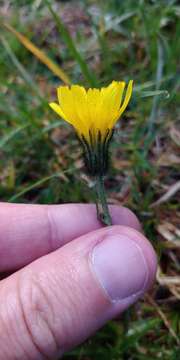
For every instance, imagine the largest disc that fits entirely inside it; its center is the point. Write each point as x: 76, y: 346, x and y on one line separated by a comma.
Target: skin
x: 51, y: 299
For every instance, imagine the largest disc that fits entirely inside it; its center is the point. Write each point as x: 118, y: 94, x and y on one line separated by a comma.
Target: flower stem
x: 101, y: 205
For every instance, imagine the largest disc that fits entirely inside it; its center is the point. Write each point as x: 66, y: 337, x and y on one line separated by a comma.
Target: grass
x: 94, y: 43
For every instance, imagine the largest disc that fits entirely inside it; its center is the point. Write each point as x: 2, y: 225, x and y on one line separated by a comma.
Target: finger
x: 30, y: 231
x: 61, y: 299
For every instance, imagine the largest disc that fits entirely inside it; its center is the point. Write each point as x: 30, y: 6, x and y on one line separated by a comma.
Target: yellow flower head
x: 93, y: 113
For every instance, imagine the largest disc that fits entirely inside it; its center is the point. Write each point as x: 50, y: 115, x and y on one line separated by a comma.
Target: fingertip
x: 144, y: 246
x: 71, y: 221
x: 148, y: 252
x: 39, y: 229
x: 124, y: 216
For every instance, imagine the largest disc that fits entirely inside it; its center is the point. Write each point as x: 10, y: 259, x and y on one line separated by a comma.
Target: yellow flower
x: 93, y: 113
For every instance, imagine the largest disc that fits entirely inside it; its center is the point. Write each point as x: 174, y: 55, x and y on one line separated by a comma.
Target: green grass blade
x: 40, y: 55
x: 25, y: 75
x: 137, y: 331
x: 10, y: 135
x: 159, y: 74
x: 72, y: 47
x: 163, y: 93
x: 37, y: 184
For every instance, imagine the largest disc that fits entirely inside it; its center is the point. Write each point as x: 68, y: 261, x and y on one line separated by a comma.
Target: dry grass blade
x: 171, y: 192
x: 175, y: 135
x: 174, y: 291
x: 163, y: 317
x: 40, y: 55
x: 167, y: 280
x: 170, y: 233
x: 171, y: 282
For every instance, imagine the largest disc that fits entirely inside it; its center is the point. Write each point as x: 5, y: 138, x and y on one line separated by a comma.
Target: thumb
x: 59, y: 300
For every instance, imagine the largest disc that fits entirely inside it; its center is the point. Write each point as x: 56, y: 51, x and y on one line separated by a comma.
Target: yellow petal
x: 82, y: 119
x: 73, y: 104
x: 66, y: 102
x: 111, y: 100
x: 127, y: 97
x: 80, y: 103
x: 93, y: 104
x: 58, y: 110
x: 93, y: 110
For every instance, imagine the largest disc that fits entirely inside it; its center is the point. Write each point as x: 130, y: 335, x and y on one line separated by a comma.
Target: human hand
x: 79, y: 276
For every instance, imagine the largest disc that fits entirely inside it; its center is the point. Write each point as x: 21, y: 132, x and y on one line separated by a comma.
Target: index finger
x: 28, y: 232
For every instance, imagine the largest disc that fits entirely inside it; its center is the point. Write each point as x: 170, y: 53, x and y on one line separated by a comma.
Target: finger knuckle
x: 37, y: 314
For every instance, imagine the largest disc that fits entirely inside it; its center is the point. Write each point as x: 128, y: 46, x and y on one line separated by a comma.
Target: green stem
x: 102, y: 206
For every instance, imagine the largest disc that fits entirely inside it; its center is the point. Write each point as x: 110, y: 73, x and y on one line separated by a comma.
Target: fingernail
x: 120, y: 267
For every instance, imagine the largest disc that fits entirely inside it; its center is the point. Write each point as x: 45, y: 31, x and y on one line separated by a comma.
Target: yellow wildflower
x: 93, y: 113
